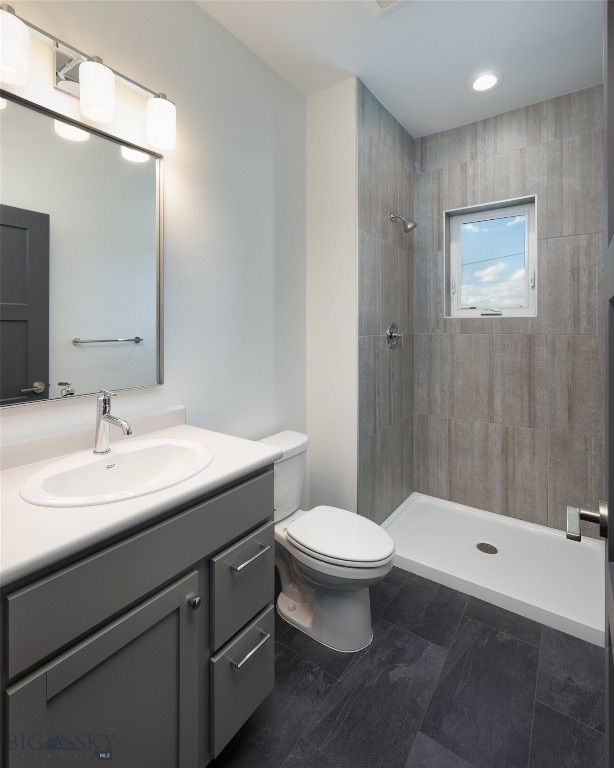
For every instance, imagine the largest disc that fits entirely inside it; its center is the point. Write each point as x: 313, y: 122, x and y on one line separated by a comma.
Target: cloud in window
x: 490, y: 274
x: 501, y: 295
x: 514, y: 221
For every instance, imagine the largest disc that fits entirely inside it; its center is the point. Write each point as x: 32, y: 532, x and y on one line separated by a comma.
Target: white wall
x: 234, y: 220
x: 332, y: 322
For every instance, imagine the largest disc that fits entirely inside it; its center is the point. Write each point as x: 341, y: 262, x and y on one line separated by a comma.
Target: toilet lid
x: 339, y: 536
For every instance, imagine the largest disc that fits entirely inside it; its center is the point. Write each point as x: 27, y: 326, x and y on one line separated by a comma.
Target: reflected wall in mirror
x: 79, y: 234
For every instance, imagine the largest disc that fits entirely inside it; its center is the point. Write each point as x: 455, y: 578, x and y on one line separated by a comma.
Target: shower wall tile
x: 471, y: 395
x: 385, y: 294
x: 511, y: 131
x: 389, y: 282
x: 431, y: 455
x: 367, y: 387
x: 574, y: 301
x: 575, y: 113
x: 575, y: 179
x: 520, y: 379
x: 570, y: 475
x: 509, y: 411
x: 369, y: 288
x: 528, y: 475
x: 577, y: 395
x: 431, y: 373
x: 478, y: 459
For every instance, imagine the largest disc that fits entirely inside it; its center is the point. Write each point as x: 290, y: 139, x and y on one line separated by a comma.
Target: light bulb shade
x: 70, y: 132
x: 97, y: 92
x: 161, y: 123
x: 133, y: 155
x: 14, y: 49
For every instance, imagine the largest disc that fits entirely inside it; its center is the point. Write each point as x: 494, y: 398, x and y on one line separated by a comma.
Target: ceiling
x: 418, y: 56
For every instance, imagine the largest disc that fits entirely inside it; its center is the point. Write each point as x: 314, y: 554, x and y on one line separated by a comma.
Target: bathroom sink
x: 130, y: 469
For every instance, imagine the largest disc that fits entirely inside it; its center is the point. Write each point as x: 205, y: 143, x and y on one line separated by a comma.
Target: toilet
x: 327, y: 557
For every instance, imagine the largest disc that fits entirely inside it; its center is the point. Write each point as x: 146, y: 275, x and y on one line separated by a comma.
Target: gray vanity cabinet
x: 109, y: 657
x: 127, y: 694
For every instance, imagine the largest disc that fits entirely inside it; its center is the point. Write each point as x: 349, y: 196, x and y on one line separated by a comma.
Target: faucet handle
x: 106, y: 393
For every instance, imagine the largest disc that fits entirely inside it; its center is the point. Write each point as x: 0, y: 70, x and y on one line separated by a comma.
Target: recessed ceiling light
x: 485, y: 81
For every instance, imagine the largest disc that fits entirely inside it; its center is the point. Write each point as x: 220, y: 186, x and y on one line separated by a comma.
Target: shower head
x: 408, y: 224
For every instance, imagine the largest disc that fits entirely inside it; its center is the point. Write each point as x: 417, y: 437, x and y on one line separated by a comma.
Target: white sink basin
x: 132, y: 468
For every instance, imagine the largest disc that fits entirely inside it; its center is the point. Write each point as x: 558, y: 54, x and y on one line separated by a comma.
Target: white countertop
x: 33, y: 537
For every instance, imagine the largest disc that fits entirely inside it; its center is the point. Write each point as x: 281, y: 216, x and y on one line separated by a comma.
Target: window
x: 491, y: 260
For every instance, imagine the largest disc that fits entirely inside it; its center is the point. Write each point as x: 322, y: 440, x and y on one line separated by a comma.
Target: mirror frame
x: 159, y: 229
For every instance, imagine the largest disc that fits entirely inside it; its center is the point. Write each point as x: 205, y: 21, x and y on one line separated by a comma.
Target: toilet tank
x: 289, y: 471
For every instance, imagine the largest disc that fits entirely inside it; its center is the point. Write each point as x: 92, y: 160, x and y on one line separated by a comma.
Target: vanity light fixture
x: 133, y: 155
x: 14, y: 47
x: 485, y: 81
x: 97, y: 91
x: 82, y: 76
x: 161, y: 122
x: 70, y: 132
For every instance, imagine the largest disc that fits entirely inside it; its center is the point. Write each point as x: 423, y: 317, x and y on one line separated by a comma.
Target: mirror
x: 80, y: 234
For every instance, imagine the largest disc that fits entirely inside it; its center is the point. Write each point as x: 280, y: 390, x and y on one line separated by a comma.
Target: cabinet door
x: 128, y: 694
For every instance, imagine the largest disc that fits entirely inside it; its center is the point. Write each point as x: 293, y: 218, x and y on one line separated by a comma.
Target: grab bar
x: 76, y: 341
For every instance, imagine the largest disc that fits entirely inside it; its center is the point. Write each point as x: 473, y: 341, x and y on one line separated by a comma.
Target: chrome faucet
x: 103, y: 419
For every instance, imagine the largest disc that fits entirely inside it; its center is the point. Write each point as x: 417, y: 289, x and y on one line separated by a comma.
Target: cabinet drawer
x: 53, y: 612
x: 242, y: 674
x: 242, y: 583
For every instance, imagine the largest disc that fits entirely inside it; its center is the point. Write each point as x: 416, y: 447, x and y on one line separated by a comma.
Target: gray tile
x: 483, y: 705
x: 305, y: 755
x: 575, y: 113
x: 367, y: 477
x: 271, y: 732
x: 559, y: 688
x: 560, y: 742
x: 535, y: 170
x: 367, y: 386
x: 378, y: 191
x: 382, y: 594
x: 471, y: 183
x: 391, y: 681
x: 431, y: 455
x: 510, y: 131
x: 505, y: 621
x: 430, y: 191
x: 478, y: 460
x: 509, y: 175
x: 433, y: 152
x: 428, y: 292
x: 520, y: 381
x: 369, y: 290
x: 429, y: 610
x: 575, y: 179
x: 576, y: 384
x: 486, y: 137
x: 427, y: 753
x: 462, y: 144
x: 383, y: 384
x: 471, y: 393
x: 537, y: 124
x: 389, y: 306
x: 528, y: 476
x: 570, y: 478
x: 574, y: 289
x: 402, y: 379
x: 585, y: 661
x: 407, y: 448
x: 406, y: 292
x: 432, y: 373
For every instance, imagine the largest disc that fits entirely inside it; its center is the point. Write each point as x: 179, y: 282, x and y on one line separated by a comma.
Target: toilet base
x: 341, y: 621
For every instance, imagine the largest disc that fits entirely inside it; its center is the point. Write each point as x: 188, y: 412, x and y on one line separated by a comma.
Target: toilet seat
x: 339, y: 537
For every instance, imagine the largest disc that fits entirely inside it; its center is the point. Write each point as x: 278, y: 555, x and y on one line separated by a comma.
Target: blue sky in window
x: 493, y: 263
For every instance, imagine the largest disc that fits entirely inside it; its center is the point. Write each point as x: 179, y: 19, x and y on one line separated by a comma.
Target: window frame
x: 453, y: 219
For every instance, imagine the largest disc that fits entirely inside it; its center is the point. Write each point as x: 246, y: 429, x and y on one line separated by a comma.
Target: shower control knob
x: 194, y: 602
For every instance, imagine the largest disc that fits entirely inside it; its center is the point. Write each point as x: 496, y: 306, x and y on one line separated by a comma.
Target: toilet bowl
x: 327, y: 558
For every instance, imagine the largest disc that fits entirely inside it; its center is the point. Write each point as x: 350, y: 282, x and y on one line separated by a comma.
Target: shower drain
x: 488, y: 549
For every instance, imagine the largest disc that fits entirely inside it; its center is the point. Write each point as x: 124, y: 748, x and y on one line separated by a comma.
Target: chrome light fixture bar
x: 161, y: 116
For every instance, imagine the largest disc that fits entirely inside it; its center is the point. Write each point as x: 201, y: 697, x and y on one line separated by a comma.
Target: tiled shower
x: 504, y: 414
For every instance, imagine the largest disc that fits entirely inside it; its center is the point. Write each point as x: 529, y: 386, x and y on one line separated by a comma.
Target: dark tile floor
x: 448, y: 682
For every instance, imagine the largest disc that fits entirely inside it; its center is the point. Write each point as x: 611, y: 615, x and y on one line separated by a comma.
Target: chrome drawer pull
x: 239, y: 664
x: 239, y: 568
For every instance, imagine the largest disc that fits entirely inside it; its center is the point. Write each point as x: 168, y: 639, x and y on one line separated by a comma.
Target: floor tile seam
x: 447, y: 749
x: 310, y: 661
x: 289, y: 752
x: 315, y: 746
x: 503, y: 632
x: 534, y: 701
x: 571, y: 672
x: 415, y: 634
x: 573, y: 719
